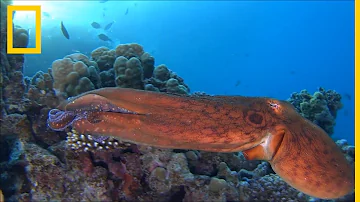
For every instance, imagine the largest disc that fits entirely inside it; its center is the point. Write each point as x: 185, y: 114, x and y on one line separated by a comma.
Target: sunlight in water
x: 30, y: 15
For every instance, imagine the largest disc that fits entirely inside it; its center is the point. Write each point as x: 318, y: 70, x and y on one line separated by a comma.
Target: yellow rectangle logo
x: 10, y: 31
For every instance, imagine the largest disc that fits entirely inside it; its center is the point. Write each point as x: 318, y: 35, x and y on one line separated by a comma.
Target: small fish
x: 103, y: 1
x: 238, y: 82
x: 108, y: 26
x: 347, y: 96
x: 75, y: 51
x: 95, y: 25
x: 64, y: 31
x: 104, y: 37
x: 127, y: 11
x: 46, y: 14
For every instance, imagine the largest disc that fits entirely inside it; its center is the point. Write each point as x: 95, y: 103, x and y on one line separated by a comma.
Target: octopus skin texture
x: 262, y: 128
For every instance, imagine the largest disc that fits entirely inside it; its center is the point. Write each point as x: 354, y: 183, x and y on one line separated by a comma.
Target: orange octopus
x: 262, y: 128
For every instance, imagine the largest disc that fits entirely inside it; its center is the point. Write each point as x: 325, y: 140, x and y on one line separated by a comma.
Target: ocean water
x: 219, y: 47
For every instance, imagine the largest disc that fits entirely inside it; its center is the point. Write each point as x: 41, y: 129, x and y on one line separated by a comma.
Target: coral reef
x: 320, y: 108
x: 3, y: 21
x: 38, y: 164
x: 75, y: 74
x: 37, y: 152
x: 165, y: 80
x: 104, y: 57
x: 127, y: 66
x: 12, y: 84
x: 128, y: 73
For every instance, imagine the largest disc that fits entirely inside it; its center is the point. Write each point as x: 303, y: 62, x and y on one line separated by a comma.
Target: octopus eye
x: 274, y: 105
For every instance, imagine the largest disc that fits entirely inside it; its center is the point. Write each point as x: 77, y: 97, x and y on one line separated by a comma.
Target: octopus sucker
x: 84, y: 143
x: 262, y: 128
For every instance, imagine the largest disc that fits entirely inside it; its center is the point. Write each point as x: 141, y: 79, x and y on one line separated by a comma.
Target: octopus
x: 300, y: 152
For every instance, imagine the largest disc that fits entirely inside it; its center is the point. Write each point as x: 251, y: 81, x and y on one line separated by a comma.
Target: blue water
x: 233, y: 48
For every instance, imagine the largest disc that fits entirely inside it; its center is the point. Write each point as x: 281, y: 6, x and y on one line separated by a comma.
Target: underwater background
x: 298, y: 51
x: 219, y: 47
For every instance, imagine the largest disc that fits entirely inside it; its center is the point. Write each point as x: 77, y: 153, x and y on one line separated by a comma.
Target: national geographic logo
x: 10, y: 31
